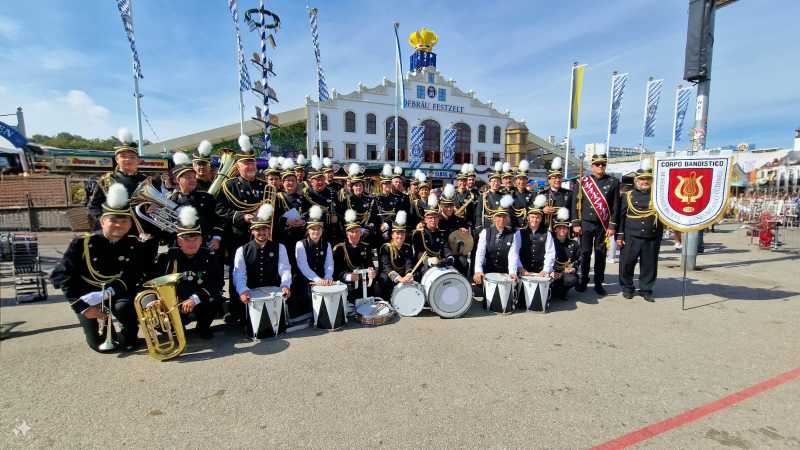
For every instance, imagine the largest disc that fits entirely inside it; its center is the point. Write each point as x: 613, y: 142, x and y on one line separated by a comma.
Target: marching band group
x: 294, y: 227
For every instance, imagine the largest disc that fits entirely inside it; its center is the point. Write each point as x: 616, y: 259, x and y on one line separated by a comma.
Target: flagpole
x: 398, y: 78
x: 610, y: 110
x: 675, y: 120
x: 569, y: 118
x: 136, y: 92
x: 644, y: 122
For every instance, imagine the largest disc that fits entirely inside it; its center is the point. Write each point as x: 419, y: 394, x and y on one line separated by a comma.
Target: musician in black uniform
x: 450, y: 222
x: 352, y: 255
x: 537, y: 252
x: 318, y: 194
x: 507, y: 180
x: 201, y: 161
x: 314, y: 257
x: 273, y: 173
x: 429, y: 240
x: 498, y: 246
x: 639, y: 236
x: 465, y: 199
x: 126, y: 172
x: 555, y: 196
x: 106, y: 263
x: 568, y: 254
x: 204, y: 203
x: 237, y: 205
x: 200, y: 289
x: 264, y: 262
x: 419, y: 203
x: 489, y: 201
x: 300, y: 169
x: 595, y: 226
x: 388, y: 203
x: 328, y: 174
x: 289, y: 214
x: 364, y: 206
x: 395, y: 260
x: 523, y: 198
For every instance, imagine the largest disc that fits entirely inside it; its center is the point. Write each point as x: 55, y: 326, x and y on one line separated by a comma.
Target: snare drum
x: 375, y: 313
x: 328, y: 303
x: 498, y: 293
x: 536, y: 292
x: 408, y: 299
x: 268, y: 313
x: 449, y: 294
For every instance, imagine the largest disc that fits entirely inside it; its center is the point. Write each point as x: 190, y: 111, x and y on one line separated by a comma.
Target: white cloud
x: 59, y: 59
x: 74, y: 111
x: 8, y: 28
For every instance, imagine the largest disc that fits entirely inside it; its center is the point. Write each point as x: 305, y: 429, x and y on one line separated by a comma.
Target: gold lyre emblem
x: 689, y: 189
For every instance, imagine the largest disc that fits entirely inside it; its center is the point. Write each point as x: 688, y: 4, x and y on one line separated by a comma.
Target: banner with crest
x: 691, y: 193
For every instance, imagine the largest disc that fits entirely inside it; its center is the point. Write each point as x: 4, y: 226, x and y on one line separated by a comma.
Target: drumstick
x: 421, y: 259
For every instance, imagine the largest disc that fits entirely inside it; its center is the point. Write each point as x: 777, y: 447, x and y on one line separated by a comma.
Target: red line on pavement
x: 697, y: 413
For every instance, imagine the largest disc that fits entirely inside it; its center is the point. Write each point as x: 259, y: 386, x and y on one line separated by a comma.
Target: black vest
x: 498, y: 245
x: 532, y: 248
x: 315, y: 255
x: 262, y: 264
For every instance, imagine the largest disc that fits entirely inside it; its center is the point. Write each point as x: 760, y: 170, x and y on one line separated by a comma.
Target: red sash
x: 596, y: 199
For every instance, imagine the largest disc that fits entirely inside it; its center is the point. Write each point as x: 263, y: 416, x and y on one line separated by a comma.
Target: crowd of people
x: 295, y: 226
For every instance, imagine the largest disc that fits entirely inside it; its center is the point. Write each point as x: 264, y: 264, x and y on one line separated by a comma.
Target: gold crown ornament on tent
x: 423, y: 40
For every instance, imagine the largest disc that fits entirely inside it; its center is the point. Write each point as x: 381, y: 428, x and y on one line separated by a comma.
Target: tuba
x: 158, y: 310
x: 164, y: 215
x: 227, y: 167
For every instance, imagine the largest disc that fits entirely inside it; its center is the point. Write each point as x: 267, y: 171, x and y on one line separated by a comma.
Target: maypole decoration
x: 322, y: 87
x: 244, y: 76
x: 126, y: 13
x: 257, y: 18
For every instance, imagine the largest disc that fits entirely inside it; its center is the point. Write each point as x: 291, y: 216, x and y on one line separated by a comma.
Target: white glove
x: 93, y: 298
x: 195, y: 299
x: 432, y: 261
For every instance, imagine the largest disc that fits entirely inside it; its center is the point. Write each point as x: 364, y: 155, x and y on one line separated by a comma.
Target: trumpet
x: 227, y: 167
x: 155, y: 209
x: 107, y: 345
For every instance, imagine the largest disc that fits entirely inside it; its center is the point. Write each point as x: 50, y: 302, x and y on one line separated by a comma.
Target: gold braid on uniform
x: 428, y: 251
x: 563, y: 265
x: 308, y: 197
x: 361, y: 218
x: 97, y: 279
x: 634, y: 213
x: 486, y: 208
x: 342, y: 245
x: 240, y: 205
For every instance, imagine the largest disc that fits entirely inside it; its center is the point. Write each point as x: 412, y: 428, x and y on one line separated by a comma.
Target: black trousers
x: 560, y: 287
x: 593, y: 238
x: 125, y: 313
x: 203, y: 313
x: 645, y: 252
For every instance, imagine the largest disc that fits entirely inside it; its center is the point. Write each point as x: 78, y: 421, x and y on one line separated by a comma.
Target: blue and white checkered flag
x: 651, y: 106
x: 127, y: 22
x: 417, y: 136
x: 449, y: 148
x: 244, y: 76
x: 617, y: 91
x: 400, y: 88
x: 681, y: 106
x: 323, y: 87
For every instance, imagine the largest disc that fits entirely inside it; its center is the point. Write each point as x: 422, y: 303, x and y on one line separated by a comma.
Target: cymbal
x: 460, y: 239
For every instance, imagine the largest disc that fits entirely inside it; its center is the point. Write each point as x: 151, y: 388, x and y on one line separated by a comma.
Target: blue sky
x: 68, y: 63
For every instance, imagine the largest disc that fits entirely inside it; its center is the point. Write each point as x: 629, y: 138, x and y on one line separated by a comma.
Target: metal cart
x: 30, y: 284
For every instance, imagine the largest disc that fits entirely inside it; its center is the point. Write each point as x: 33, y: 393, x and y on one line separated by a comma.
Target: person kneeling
x: 396, y: 259
x: 262, y: 261
x: 352, y: 256
x: 568, y: 253
x: 200, y: 289
x: 537, y: 251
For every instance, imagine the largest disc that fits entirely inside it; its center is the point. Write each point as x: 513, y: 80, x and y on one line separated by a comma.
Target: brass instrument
x: 463, y: 208
x: 107, y: 345
x: 227, y: 167
x: 549, y: 203
x: 163, y: 211
x: 158, y: 310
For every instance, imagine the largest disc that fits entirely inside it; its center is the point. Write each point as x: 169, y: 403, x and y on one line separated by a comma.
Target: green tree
x: 73, y: 141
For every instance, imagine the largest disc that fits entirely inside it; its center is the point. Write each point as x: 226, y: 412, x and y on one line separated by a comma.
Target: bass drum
x: 449, y: 293
x: 408, y: 299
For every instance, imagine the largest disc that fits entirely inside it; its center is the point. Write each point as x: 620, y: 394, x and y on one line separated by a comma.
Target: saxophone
x: 159, y: 314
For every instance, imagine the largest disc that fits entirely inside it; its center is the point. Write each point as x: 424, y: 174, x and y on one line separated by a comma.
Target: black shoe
x: 647, y: 296
x: 627, y: 294
x: 205, y: 333
x: 232, y: 320
x: 600, y: 290
x: 130, y: 347
x: 580, y: 288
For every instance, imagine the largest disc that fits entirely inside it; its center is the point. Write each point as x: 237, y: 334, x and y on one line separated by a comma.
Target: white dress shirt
x: 240, y: 269
x: 302, y: 263
x: 513, y: 257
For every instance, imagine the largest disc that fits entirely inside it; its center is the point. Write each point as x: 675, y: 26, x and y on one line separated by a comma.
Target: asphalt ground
x: 590, y: 371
